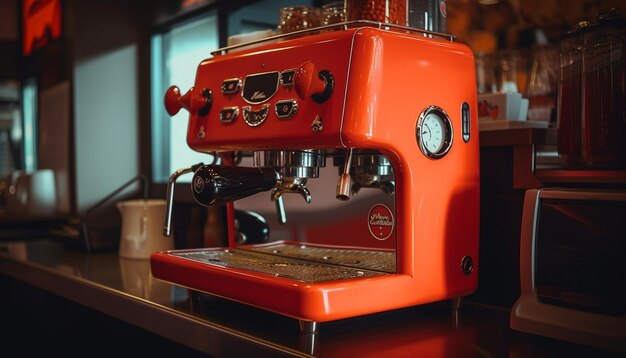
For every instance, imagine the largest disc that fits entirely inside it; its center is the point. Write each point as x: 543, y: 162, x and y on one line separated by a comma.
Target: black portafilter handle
x: 214, y: 184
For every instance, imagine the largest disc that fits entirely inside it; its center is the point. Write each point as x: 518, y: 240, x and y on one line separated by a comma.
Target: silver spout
x: 289, y: 185
x: 280, y: 209
x: 344, y: 185
x: 293, y: 168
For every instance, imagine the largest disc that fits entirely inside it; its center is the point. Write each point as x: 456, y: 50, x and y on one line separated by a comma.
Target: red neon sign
x: 42, y: 23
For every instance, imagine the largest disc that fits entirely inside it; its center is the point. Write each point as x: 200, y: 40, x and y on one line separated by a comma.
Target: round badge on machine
x: 380, y: 222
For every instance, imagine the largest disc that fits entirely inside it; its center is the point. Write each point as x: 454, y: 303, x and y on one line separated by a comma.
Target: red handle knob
x: 196, y: 102
x: 311, y: 83
x: 307, y: 81
x: 174, y: 101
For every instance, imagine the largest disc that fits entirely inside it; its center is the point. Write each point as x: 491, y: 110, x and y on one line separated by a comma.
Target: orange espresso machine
x: 358, y: 151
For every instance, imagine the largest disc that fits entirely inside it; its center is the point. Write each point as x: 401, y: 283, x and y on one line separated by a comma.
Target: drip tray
x: 363, y: 259
x: 299, y: 262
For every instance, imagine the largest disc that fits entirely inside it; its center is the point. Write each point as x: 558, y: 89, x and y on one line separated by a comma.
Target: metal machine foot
x: 309, y: 327
x: 308, y: 336
x: 456, y: 303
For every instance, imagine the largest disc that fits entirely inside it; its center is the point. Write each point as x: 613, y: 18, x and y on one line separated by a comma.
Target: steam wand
x: 344, y: 185
x: 167, y: 228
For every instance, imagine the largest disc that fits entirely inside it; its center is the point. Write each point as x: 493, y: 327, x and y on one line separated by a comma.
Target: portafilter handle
x: 212, y: 184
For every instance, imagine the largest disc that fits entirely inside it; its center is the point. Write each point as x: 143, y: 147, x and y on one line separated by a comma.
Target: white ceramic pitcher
x: 142, y: 228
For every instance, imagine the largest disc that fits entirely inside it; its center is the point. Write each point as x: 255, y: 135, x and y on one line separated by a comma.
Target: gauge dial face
x: 434, y: 132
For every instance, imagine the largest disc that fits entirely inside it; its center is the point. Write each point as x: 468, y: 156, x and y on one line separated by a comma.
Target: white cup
x: 142, y: 228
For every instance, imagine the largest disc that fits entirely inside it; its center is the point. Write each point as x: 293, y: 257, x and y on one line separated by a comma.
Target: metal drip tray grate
x: 364, y: 259
x: 294, y: 268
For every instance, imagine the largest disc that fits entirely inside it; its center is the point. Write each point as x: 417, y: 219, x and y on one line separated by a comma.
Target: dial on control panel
x: 231, y: 86
x: 229, y: 114
x: 286, y: 78
x: 286, y: 109
x: 255, y: 118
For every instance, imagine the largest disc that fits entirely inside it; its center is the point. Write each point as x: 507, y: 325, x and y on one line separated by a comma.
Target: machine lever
x: 212, y: 184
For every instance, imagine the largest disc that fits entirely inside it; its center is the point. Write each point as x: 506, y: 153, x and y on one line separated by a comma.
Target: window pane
x: 175, y: 57
x: 29, y: 98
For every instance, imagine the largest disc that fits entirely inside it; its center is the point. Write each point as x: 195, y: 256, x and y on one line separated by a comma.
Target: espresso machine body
x: 395, y: 112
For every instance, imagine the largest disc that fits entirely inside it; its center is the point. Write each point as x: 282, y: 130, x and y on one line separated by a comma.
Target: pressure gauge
x: 434, y: 132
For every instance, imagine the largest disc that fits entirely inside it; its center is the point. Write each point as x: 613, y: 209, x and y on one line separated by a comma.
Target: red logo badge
x: 380, y: 222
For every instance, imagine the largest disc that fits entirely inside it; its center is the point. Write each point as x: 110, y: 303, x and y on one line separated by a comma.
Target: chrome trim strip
x: 345, y: 91
x: 340, y: 26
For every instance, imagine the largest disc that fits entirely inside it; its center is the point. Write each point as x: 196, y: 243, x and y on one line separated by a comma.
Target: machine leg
x: 309, y: 336
x: 309, y: 327
x: 456, y: 303
x: 456, y: 308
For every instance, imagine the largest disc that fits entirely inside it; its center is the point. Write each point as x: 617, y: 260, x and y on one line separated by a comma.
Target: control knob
x: 196, y: 102
x: 310, y: 83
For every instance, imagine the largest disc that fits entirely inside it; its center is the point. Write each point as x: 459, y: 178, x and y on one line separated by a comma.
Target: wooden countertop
x: 536, y: 163
x: 517, y: 136
x: 125, y: 289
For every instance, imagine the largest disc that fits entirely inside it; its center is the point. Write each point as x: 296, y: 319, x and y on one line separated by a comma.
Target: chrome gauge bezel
x: 447, y: 136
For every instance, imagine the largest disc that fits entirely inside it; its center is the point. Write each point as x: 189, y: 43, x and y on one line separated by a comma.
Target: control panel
x: 289, y: 96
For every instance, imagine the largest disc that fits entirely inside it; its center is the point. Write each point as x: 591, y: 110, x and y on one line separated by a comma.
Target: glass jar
x: 542, y: 83
x: 604, y: 107
x: 429, y: 15
x: 333, y: 13
x: 486, y: 81
x: 569, y: 99
x: 511, y: 71
x: 387, y: 11
x: 297, y: 18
